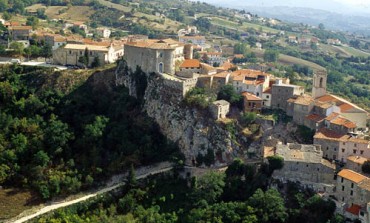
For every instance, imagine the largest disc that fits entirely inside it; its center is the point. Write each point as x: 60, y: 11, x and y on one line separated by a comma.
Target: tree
x: 203, y: 23
x: 269, y: 206
x: 241, y: 48
x: 96, y: 62
x: 85, y: 58
x: 229, y: 94
x: 248, y: 118
x: 131, y: 178
x: 18, y: 48
x: 366, y: 167
x: 271, y: 55
x: 275, y: 162
x: 321, y: 26
x: 209, y: 187
x: 32, y: 21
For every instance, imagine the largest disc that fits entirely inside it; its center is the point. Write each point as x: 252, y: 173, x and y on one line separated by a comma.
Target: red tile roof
x: 341, y: 103
x: 315, y: 117
x: 190, y: 63
x: 251, y: 97
x: 354, y: 209
x: 351, y: 175
x: 343, y: 122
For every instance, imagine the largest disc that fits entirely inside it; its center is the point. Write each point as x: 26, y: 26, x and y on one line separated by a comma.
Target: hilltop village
x: 330, y: 166
x: 335, y: 160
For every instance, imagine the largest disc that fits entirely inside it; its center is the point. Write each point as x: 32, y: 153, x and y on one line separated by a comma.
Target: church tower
x: 319, y: 83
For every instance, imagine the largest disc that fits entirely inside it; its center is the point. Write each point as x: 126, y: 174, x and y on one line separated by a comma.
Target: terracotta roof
x: 239, y: 56
x: 83, y: 47
x: 224, y: 74
x: 190, y: 63
x: 156, y: 44
x: 343, y: 122
x: 344, y: 105
x: 227, y: 65
x: 207, y: 67
x: 332, y: 116
x: 315, y: 117
x: 20, y: 27
x: 357, y: 159
x: 351, y: 175
x: 251, y: 97
x: 249, y: 73
x: 302, y: 100
x: 354, y: 209
x: 328, y: 134
x: 365, y: 184
x: 324, y: 105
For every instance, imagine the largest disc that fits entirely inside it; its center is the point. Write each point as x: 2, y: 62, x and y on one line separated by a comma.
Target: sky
x: 339, y: 6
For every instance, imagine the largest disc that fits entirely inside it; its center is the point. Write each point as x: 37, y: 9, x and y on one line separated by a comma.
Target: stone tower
x: 319, y: 83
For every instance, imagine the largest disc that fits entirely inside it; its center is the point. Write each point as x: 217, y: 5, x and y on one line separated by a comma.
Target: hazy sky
x: 340, y: 6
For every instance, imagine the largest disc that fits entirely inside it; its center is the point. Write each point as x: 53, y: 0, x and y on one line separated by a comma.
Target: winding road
x: 115, y: 182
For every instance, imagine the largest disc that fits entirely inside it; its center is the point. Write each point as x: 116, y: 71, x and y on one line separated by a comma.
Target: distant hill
x: 331, y: 13
x: 331, y: 20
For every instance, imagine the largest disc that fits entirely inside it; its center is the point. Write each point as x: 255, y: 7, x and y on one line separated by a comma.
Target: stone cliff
x: 195, y: 132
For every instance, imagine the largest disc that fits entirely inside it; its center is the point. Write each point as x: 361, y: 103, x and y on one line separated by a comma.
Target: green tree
x: 18, y: 48
x: 275, y: 162
x: 366, y: 167
x: 96, y: 62
x: 269, y: 206
x: 321, y: 26
x: 271, y: 55
x: 229, y: 94
x: 131, y: 178
x: 209, y: 187
x: 32, y: 21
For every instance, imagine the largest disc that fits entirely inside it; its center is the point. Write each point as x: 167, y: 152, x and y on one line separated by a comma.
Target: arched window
x: 160, y: 68
x: 321, y: 80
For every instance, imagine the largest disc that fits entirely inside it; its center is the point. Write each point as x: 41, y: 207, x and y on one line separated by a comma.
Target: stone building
x: 160, y: 56
x: 282, y: 92
x: 339, y: 146
x: 304, y: 164
x: 252, y: 103
x: 352, y: 188
x: 252, y: 81
x: 55, y: 41
x: 299, y: 106
x: 196, y: 40
x: 71, y: 53
x: 355, y: 163
x: 220, y: 109
x: 103, y: 32
x: 20, y: 32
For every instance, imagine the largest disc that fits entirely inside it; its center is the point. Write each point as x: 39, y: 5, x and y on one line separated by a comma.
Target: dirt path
x: 115, y: 182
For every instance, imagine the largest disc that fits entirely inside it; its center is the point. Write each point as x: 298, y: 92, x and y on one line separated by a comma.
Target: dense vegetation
x: 58, y: 141
x: 238, y: 195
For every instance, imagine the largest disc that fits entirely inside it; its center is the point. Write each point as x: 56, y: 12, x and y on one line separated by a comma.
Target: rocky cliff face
x: 196, y: 133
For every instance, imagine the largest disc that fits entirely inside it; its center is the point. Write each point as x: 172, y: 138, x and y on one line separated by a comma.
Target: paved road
x: 115, y: 182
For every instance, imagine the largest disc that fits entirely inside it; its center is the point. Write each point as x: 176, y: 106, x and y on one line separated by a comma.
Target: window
x: 70, y: 52
x: 250, y: 104
x: 351, y: 185
x: 354, y: 151
x: 335, y: 149
x: 267, y: 96
x: 327, y: 148
x: 355, y: 145
x: 343, y: 150
x: 342, y: 188
x: 318, y: 169
x: 361, y: 152
x: 342, y: 180
x: 351, y: 192
x: 344, y: 143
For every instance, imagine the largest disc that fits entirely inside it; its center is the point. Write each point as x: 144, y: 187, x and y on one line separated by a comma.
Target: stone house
x: 299, y: 106
x: 161, y: 56
x: 266, y: 96
x: 339, y: 146
x: 20, y: 32
x: 304, y: 164
x: 196, y: 40
x: 71, y: 53
x: 189, y: 67
x: 220, y: 79
x: 220, y: 109
x: 212, y: 57
x: 282, y: 92
x: 252, y: 81
x: 55, y: 41
x: 252, y: 103
x: 103, y: 32
x: 352, y: 188
x: 355, y: 163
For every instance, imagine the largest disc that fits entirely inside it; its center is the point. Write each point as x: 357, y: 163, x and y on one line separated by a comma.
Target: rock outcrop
x: 194, y: 130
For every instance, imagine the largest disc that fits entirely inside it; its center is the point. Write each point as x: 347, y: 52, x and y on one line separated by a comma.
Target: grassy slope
x: 289, y: 60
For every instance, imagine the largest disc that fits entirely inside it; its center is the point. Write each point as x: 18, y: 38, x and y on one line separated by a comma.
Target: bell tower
x: 319, y: 83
